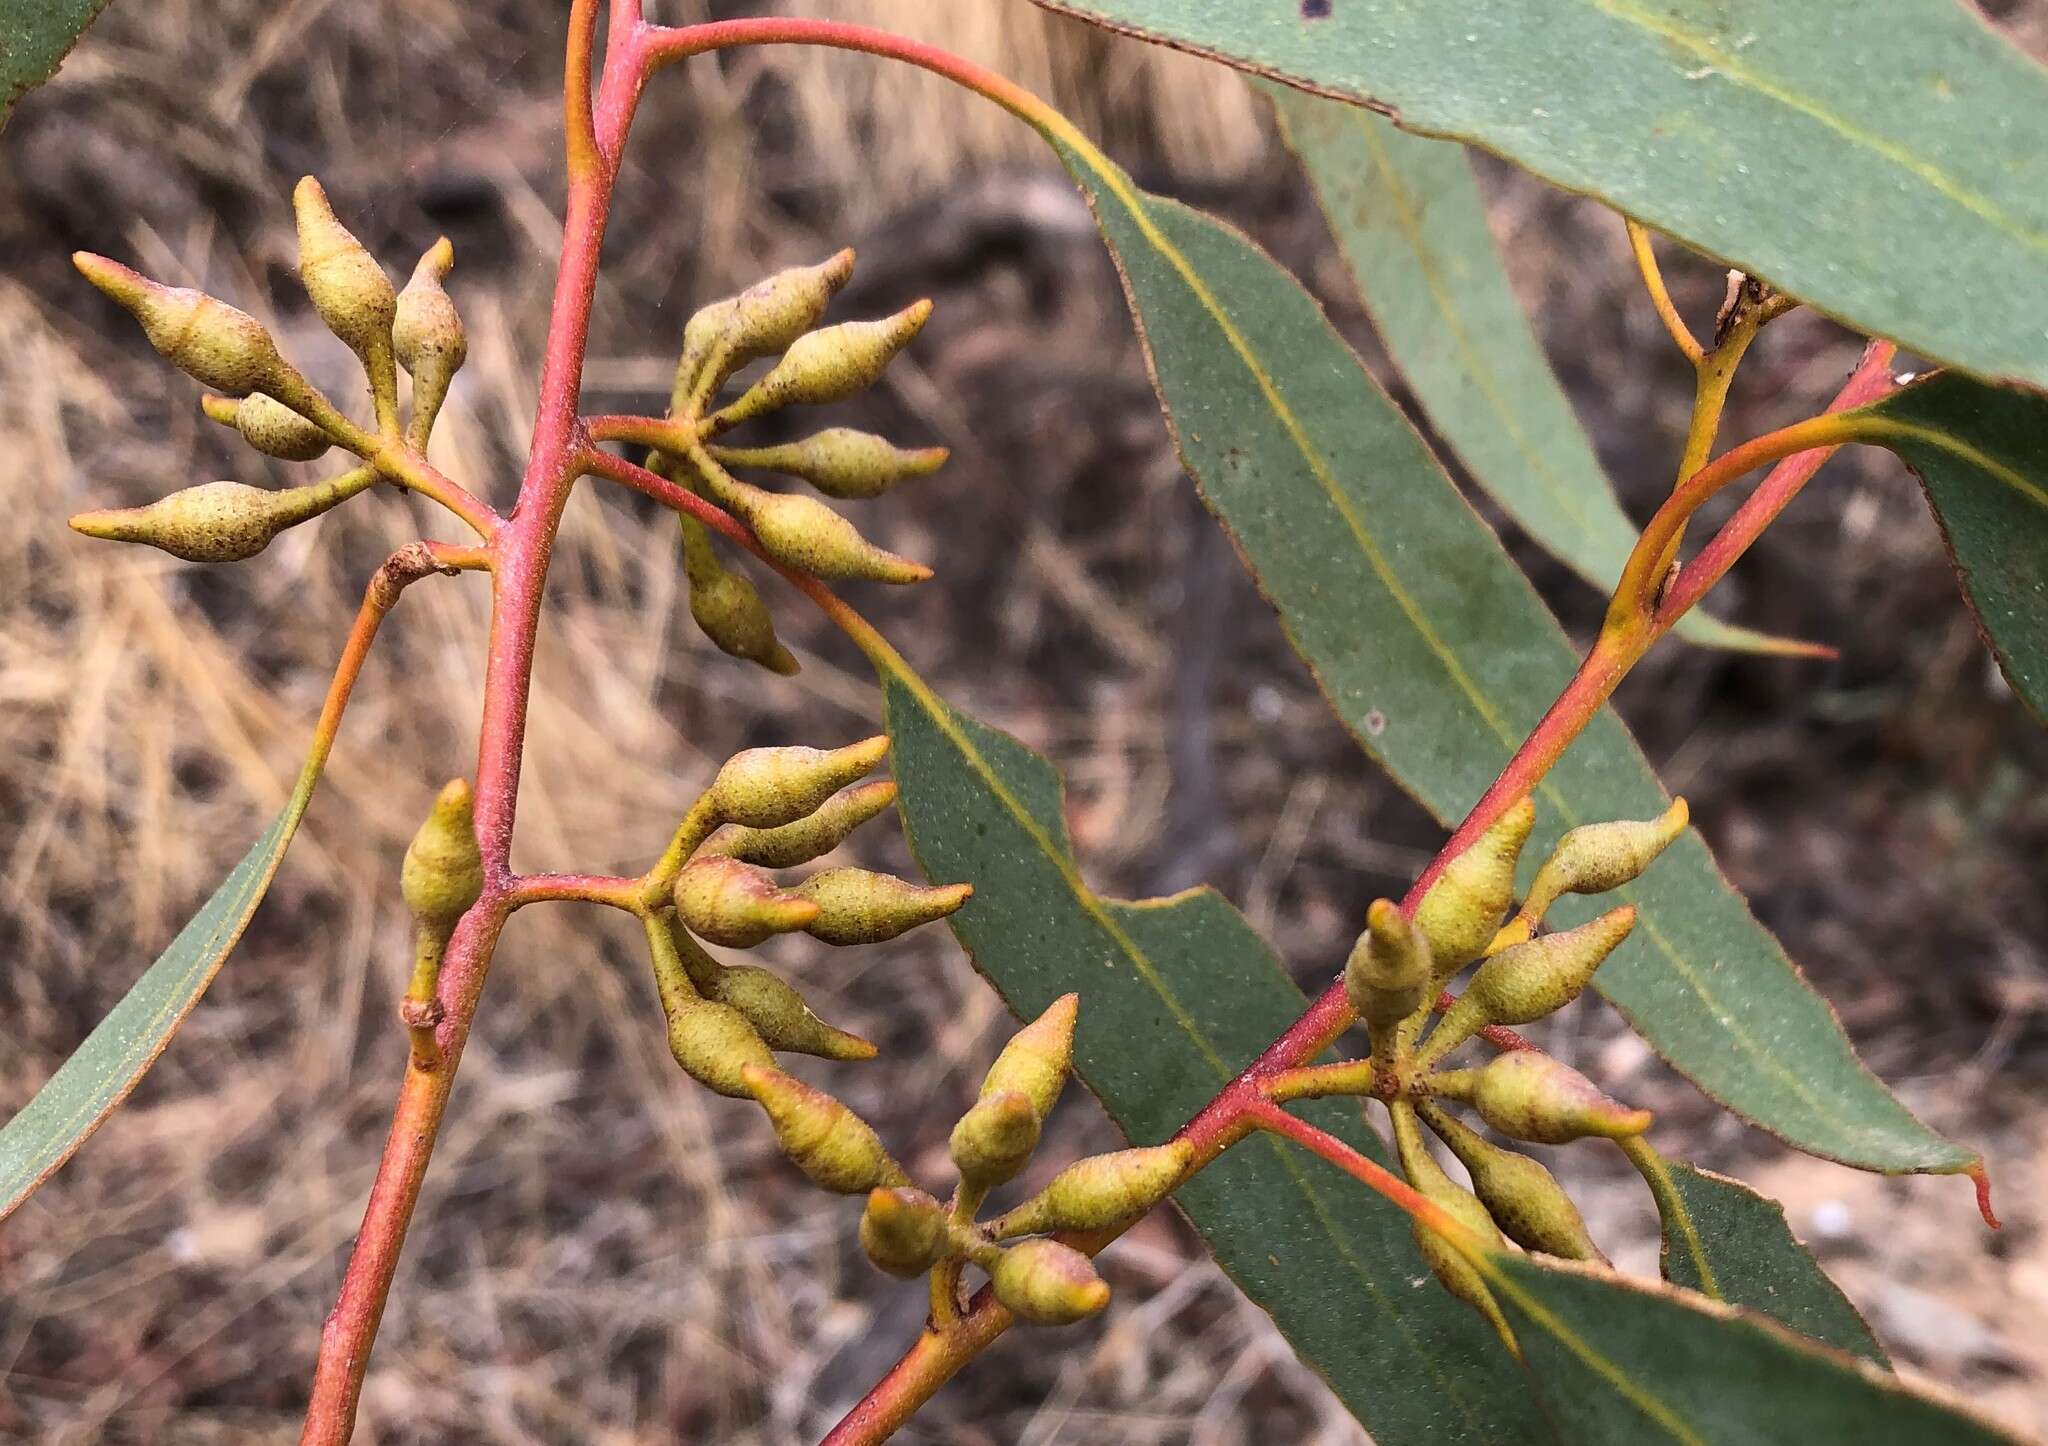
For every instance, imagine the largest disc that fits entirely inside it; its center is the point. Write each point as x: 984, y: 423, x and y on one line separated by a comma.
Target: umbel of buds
x: 774, y: 317
x: 1392, y: 981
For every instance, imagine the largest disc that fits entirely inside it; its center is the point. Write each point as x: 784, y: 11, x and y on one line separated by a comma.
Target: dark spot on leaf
x: 1315, y: 9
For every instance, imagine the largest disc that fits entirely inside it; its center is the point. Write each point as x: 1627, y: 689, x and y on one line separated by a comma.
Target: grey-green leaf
x: 1177, y: 995
x: 1890, y: 174
x: 1408, y: 217
x: 1437, y: 653
x: 121, y: 1048
x: 1735, y: 1245
x: 1981, y: 454
x: 34, y: 37
x: 1619, y: 1362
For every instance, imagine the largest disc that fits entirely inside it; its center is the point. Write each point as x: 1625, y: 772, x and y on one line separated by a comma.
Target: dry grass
x: 605, y: 1254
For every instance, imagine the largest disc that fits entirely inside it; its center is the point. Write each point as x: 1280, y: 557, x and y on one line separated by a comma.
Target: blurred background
x: 606, y: 1253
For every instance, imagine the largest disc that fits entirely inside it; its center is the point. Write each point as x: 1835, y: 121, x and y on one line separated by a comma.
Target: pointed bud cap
x: 821, y: 1136
x: 761, y: 321
x: 803, y: 533
x: 443, y: 872
x: 1464, y: 906
x: 1387, y: 976
x: 841, y: 462
x: 1527, y: 1095
x: 994, y: 1139
x: 1046, y: 1283
x: 1036, y: 1060
x: 736, y: 904
x: 769, y: 787
x: 1600, y: 856
x: 782, y: 1019
x: 426, y: 329
x: 215, y: 521
x: 1103, y: 1190
x: 807, y: 838
x: 716, y: 1045
x: 1523, y: 1198
x: 856, y: 906
x: 209, y: 340
x: 830, y: 364
x: 347, y: 286
x: 903, y: 1231
x: 1523, y: 984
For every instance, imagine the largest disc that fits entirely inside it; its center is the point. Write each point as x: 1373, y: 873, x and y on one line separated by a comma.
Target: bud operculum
x: 428, y: 337
x: 827, y: 1141
x: 770, y: 787
x: 737, y: 904
x: 216, y: 344
x: 1526, y: 982
x: 1388, y: 975
x: 828, y: 365
x: 807, y: 838
x: 1527, y: 1095
x: 780, y: 1015
x: 220, y: 521
x: 994, y: 1139
x: 346, y: 285
x: 1036, y: 1060
x: 1597, y: 857
x: 903, y: 1231
x: 840, y: 462
x: 1102, y: 1191
x: 856, y: 906
x: 1044, y: 1282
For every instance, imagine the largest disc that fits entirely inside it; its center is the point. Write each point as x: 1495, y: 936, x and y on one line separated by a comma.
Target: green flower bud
x: 803, y: 533
x: 903, y: 1231
x: 1464, y: 906
x: 1527, y: 1095
x: 841, y: 462
x: 994, y: 1139
x: 1530, y: 980
x: 728, y: 608
x: 427, y: 335
x: 780, y: 1016
x: 209, y: 340
x: 856, y: 906
x: 769, y: 787
x: 716, y: 1046
x: 736, y: 904
x: 269, y: 426
x: 829, y: 365
x: 347, y: 286
x: 1524, y: 1199
x: 1102, y: 1191
x: 821, y: 1136
x: 1602, y: 856
x: 1035, y: 1061
x: 220, y: 521
x: 443, y: 872
x: 761, y: 321
x: 1047, y: 1283
x: 807, y: 838
x: 1387, y: 976
x: 1459, y: 1276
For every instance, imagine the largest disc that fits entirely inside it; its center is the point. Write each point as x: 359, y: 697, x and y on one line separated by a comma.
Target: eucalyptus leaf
x: 35, y: 35
x: 1890, y: 174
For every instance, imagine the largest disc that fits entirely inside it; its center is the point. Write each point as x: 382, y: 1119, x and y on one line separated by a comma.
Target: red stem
x: 520, y: 555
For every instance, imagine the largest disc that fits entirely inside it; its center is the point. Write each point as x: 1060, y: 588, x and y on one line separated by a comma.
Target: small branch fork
x: 1653, y: 594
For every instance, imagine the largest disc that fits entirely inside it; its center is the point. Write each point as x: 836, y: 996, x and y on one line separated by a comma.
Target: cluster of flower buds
x: 778, y: 317
x: 909, y: 1232
x: 1393, y: 978
x: 770, y: 809
x: 267, y: 400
